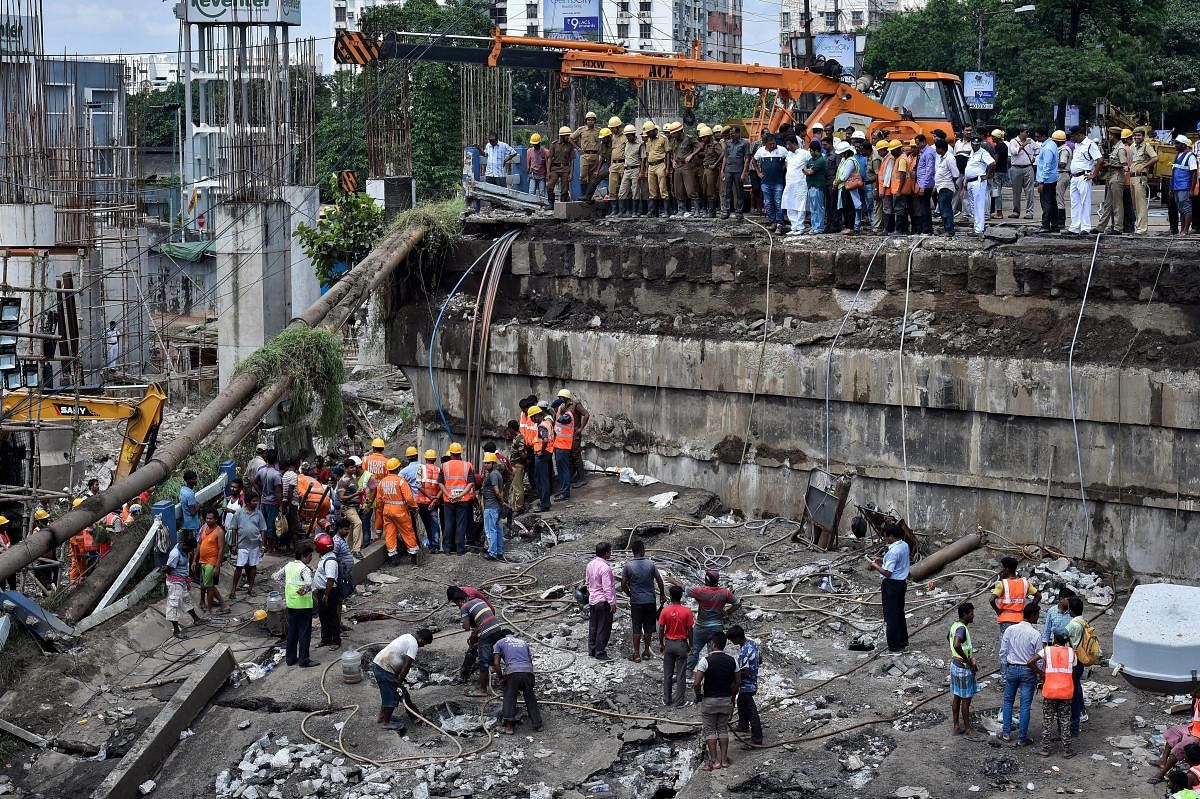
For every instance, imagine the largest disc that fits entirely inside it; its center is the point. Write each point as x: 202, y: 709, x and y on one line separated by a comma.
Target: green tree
x: 340, y: 135
x: 156, y: 126
x: 718, y: 105
x: 436, y: 96
x: 343, y: 235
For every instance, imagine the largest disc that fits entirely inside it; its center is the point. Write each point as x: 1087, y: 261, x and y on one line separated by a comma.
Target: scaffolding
x: 486, y: 104
x: 387, y: 112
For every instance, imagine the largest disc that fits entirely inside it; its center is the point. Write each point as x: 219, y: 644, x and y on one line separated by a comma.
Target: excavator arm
x: 141, y: 419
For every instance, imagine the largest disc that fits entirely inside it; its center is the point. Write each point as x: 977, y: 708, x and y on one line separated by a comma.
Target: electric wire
x: 1083, y: 517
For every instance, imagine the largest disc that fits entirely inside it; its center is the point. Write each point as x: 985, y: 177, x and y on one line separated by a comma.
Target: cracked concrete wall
x: 984, y: 434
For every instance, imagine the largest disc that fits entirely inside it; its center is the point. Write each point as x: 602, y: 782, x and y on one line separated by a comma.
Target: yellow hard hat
x: 895, y: 144
x: 431, y: 454
x: 411, y: 452
x: 488, y: 457
x: 631, y: 129
x: 674, y: 127
x: 3, y: 520
x: 566, y: 393
x: 704, y: 130
x: 605, y: 133
x: 75, y: 503
x: 997, y: 132
x: 614, y: 122
x: 455, y: 448
x: 718, y: 129
x: 590, y: 115
x: 377, y: 443
x: 41, y: 513
x: 392, y: 464
x: 648, y: 126
x: 882, y: 144
x: 1126, y: 133
x: 1059, y: 135
x: 260, y: 615
x: 564, y: 131
x: 533, y: 411
x: 535, y: 138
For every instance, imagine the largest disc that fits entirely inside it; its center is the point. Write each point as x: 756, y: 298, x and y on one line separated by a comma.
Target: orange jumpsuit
x: 81, y: 547
x: 394, y: 498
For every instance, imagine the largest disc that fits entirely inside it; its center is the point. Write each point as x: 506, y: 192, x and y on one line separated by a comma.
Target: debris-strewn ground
x: 842, y: 719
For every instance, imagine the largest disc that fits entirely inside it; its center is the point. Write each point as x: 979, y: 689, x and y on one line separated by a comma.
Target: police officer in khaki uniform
x: 1142, y: 157
x: 587, y: 140
x: 656, y: 151
x: 616, y: 162
x: 1116, y: 165
x: 712, y: 162
x: 561, y: 166
x: 685, y: 164
x: 1062, y: 190
x: 631, y: 172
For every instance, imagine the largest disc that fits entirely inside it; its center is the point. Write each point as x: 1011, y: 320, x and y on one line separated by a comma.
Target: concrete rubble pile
x: 1062, y: 573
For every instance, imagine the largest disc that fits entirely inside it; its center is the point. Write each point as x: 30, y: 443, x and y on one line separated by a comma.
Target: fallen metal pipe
x: 934, y: 561
x: 383, y: 257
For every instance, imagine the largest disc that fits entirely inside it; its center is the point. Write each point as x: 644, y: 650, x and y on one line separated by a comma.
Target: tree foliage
x: 156, y: 126
x: 1064, y: 52
x: 343, y: 235
x: 436, y: 95
x: 340, y: 132
x: 718, y: 105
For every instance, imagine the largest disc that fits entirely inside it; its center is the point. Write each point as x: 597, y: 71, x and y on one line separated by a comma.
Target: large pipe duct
x: 931, y: 563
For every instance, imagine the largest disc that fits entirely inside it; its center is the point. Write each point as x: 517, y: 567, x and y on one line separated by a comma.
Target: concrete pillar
x: 305, y: 206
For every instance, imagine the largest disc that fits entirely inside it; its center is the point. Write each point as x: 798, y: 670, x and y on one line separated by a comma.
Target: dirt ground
x: 839, y: 722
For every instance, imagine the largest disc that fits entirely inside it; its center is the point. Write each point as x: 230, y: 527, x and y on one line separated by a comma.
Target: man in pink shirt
x: 602, y: 596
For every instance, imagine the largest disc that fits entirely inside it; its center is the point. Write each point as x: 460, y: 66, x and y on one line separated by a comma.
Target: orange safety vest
x: 887, y: 176
x: 394, y: 494
x: 1059, y: 684
x: 1012, y: 602
x: 528, y: 430
x: 1195, y: 725
x: 376, y: 464
x: 456, y: 478
x: 428, y: 481
x: 312, y: 495
x: 548, y: 446
x: 564, y: 434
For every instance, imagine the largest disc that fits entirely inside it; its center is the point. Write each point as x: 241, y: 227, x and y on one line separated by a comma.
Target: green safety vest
x: 293, y: 581
x: 967, y: 647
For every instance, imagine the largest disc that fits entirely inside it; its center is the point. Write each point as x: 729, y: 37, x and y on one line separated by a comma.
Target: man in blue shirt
x: 189, y: 505
x: 749, y: 658
x: 919, y: 207
x: 770, y: 163
x: 1046, y: 178
x: 1058, y: 617
x: 893, y: 571
x: 497, y: 155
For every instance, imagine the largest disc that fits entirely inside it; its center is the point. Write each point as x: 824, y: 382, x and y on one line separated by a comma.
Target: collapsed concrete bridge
x: 660, y: 327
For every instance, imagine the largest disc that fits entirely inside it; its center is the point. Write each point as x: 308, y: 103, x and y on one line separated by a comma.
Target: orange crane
x: 912, y: 102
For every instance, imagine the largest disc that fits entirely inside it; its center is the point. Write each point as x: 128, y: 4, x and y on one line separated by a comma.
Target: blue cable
x: 437, y: 397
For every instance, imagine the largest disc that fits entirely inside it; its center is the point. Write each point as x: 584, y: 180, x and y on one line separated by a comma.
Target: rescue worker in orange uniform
x: 429, y: 497
x: 1058, y: 688
x: 887, y: 178
x: 528, y: 431
x: 543, y: 450
x: 374, y: 467
x: 1009, y: 598
x: 83, y: 549
x: 394, y: 504
x: 315, y: 500
x: 458, y: 484
x: 564, y: 438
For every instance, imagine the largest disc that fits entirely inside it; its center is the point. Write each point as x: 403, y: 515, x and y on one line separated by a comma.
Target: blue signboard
x: 572, y: 19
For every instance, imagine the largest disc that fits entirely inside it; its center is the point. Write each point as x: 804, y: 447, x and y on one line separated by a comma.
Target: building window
x: 786, y: 22
x: 339, y: 14
x: 531, y: 10
x: 350, y: 17
x: 531, y: 30
x: 856, y: 18
x: 622, y: 30
x: 624, y: 6
x: 831, y: 21
x: 644, y: 6
x: 644, y: 30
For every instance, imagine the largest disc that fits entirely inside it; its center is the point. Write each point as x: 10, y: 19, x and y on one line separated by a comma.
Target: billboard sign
x: 16, y: 34
x: 837, y: 47
x: 226, y: 12
x: 572, y: 19
x: 980, y: 90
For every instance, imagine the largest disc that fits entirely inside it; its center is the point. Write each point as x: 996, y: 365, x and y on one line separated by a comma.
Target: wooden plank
x: 23, y: 734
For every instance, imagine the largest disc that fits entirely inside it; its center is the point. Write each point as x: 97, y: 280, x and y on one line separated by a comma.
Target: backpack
x: 1088, y: 650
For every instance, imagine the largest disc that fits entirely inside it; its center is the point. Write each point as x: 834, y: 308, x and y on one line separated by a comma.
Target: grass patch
x: 442, y: 222
x: 204, y: 461
x: 312, y: 358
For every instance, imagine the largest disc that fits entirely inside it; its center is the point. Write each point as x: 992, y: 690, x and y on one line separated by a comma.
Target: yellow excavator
x: 142, y: 418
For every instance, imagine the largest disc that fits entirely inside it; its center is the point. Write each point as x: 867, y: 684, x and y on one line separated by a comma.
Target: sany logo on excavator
x: 73, y: 410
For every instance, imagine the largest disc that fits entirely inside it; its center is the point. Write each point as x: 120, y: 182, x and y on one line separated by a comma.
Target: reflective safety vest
x: 1059, y: 683
x: 456, y: 478
x: 427, y: 479
x: 294, y: 583
x: 887, y: 171
x: 546, y: 446
x: 564, y: 434
x: 376, y: 464
x: 967, y: 647
x: 528, y: 430
x: 1195, y: 725
x: 1012, y: 602
x: 394, y: 493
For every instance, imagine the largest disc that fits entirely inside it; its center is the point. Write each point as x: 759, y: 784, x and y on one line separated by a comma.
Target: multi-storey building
x: 346, y: 13
x: 830, y: 16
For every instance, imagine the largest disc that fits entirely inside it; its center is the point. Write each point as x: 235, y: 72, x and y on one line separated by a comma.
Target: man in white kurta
x: 795, y: 186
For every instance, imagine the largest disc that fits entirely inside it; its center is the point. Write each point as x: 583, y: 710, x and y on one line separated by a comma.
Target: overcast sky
x: 135, y: 26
